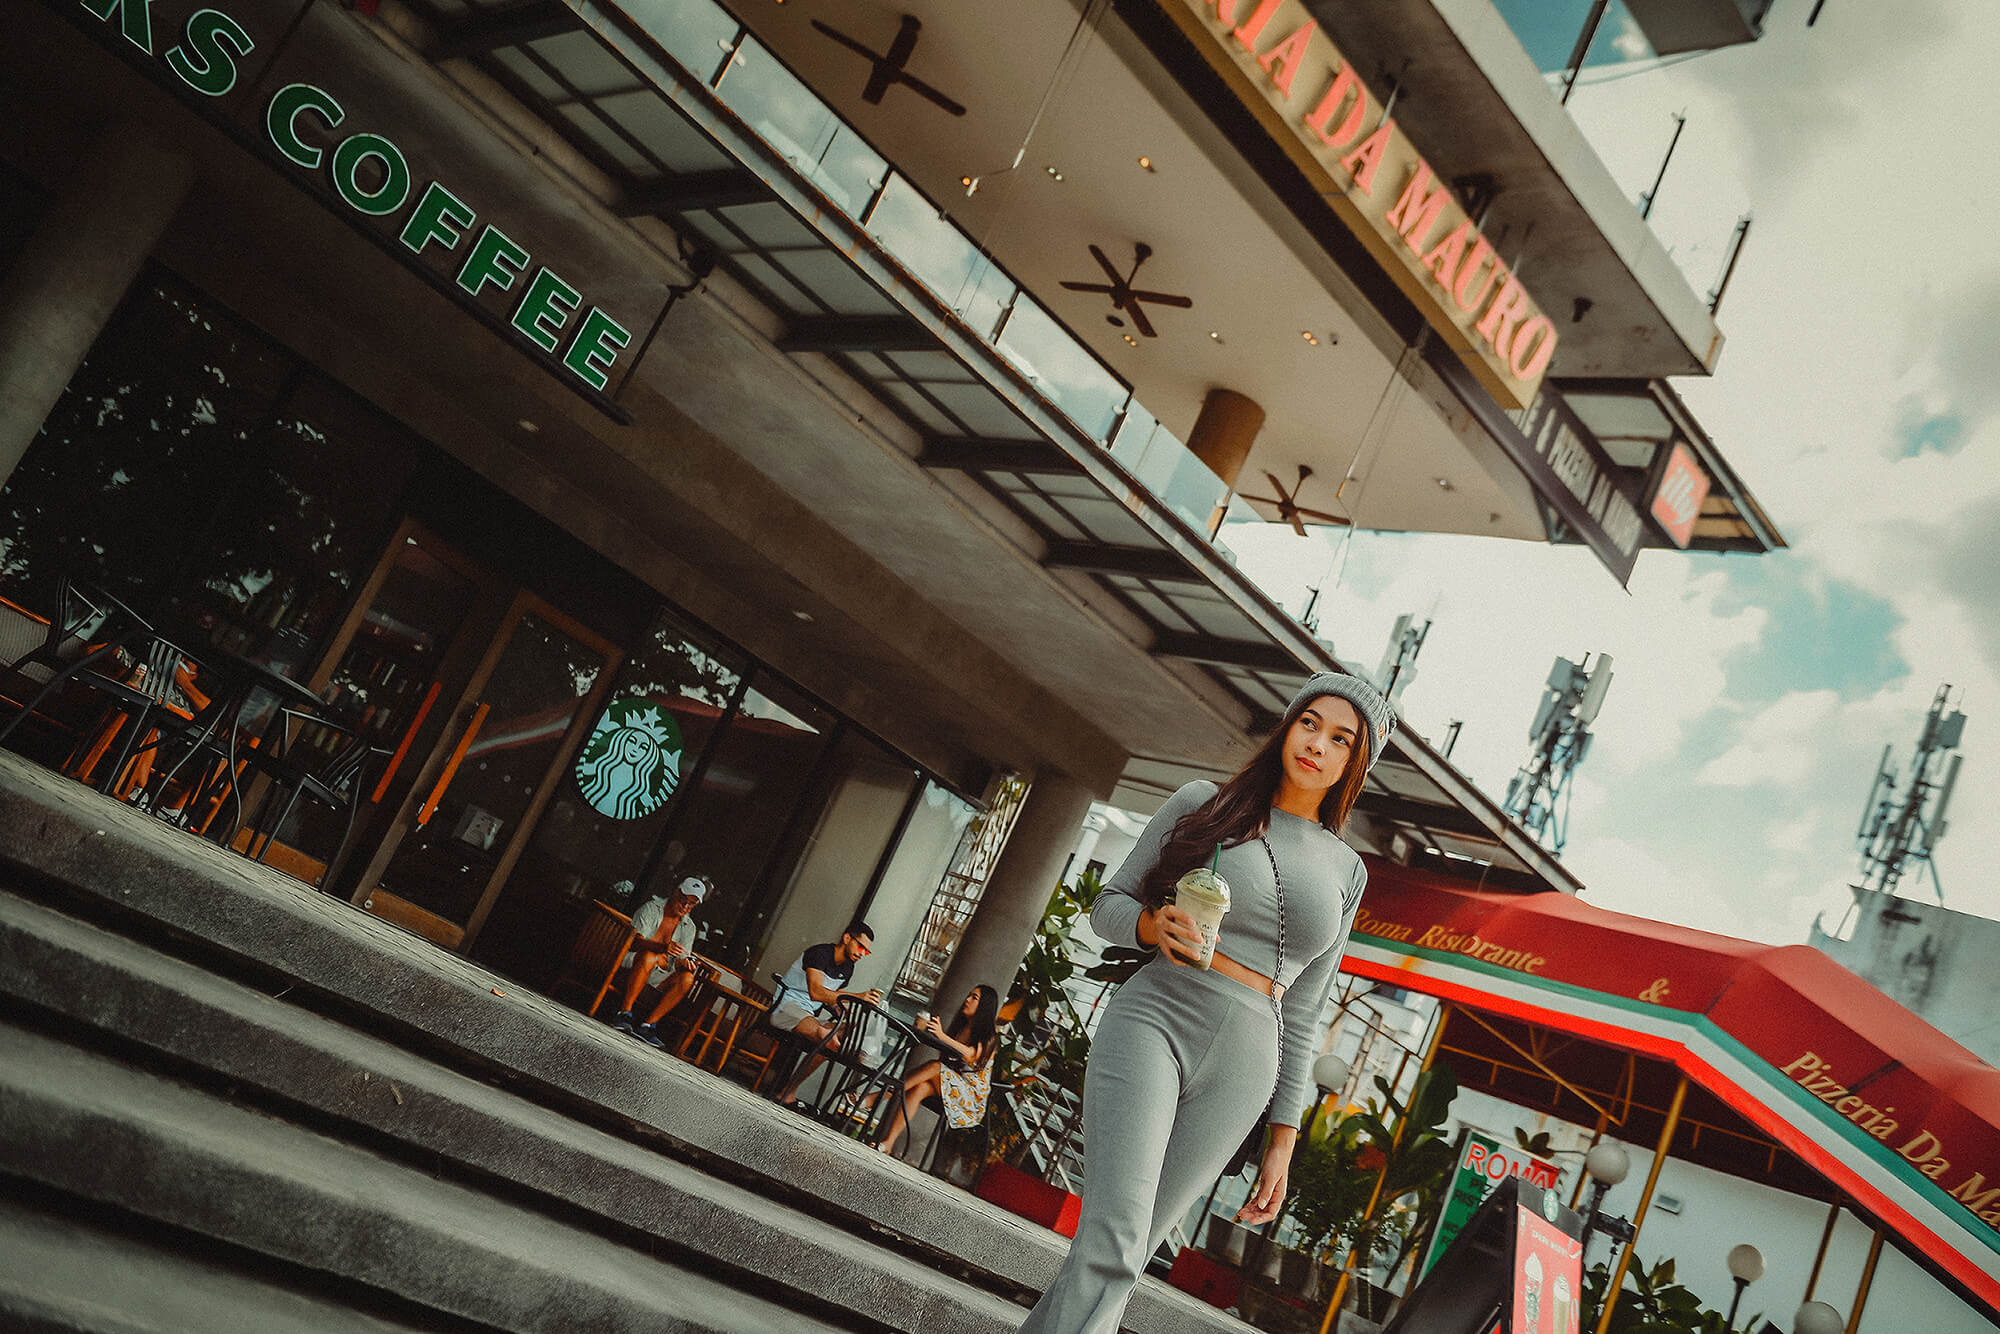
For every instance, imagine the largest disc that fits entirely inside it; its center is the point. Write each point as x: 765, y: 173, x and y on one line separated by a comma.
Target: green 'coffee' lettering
x: 135, y: 18
x: 281, y: 120
x: 385, y: 198
x: 439, y: 216
x: 212, y: 35
x: 547, y: 299
x: 495, y: 259
x: 598, y: 343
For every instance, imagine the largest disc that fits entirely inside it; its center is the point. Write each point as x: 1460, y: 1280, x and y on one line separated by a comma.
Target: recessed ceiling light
x: 1130, y: 339
x: 1444, y: 484
x: 1215, y: 335
x: 1309, y: 336
x: 1146, y: 163
x: 803, y: 615
x: 528, y: 426
x: 1054, y: 175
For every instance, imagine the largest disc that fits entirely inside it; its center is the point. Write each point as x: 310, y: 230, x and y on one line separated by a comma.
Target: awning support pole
x: 1825, y: 1240
x: 1645, y: 1202
x: 1382, y: 1177
x: 1867, y: 1282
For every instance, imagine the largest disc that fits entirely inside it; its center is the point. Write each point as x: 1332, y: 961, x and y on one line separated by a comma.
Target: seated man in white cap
x: 663, y: 952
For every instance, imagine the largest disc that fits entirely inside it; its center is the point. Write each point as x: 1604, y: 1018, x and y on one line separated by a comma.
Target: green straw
x: 1212, y: 861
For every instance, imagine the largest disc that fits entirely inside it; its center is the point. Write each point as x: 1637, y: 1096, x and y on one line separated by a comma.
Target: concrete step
x: 203, y: 989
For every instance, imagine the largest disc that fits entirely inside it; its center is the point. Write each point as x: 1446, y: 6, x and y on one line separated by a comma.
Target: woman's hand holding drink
x: 1177, y: 934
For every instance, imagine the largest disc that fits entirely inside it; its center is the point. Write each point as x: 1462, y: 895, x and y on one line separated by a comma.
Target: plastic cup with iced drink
x: 1203, y: 895
x: 1532, y: 1293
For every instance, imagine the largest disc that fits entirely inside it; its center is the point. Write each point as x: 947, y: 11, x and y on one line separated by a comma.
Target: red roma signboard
x: 1306, y: 94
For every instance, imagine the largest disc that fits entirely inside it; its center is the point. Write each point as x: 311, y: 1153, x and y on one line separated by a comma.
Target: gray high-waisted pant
x: 1182, y: 1066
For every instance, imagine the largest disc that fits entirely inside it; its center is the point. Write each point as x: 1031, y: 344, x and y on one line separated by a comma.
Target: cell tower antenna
x: 1538, y: 795
x: 1399, y: 659
x: 1899, y: 830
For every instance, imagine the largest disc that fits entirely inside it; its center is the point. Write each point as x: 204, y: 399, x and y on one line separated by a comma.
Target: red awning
x: 1891, y: 1111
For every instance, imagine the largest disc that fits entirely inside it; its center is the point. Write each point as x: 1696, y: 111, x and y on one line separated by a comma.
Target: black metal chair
x: 334, y: 778
x: 858, y: 1093
x: 87, y: 628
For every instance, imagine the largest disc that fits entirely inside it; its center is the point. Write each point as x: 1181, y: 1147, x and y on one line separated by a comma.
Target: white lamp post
x: 1818, y: 1318
x: 1746, y: 1266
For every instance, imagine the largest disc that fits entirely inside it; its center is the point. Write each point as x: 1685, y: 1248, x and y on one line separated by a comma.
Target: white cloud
x: 1778, y: 745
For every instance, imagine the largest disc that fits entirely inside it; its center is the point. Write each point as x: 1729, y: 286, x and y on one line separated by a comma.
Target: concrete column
x: 1004, y: 926
x: 1224, y: 432
x: 75, y: 269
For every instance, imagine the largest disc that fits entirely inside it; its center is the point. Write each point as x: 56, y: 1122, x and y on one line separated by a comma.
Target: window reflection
x: 1058, y: 365
x: 748, y: 791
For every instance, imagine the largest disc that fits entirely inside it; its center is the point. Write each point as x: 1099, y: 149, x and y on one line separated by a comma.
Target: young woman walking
x: 1186, y: 1060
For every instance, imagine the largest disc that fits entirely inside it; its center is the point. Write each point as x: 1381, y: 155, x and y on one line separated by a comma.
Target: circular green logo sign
x: 632, y: 762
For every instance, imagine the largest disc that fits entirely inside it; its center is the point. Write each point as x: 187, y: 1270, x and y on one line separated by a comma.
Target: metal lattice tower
x: 1538, y: 795
x: 1898, y: 830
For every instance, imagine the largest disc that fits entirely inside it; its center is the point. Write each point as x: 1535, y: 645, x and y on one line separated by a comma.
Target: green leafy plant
x: 1651, y: 1303
x: 1334, y: 1173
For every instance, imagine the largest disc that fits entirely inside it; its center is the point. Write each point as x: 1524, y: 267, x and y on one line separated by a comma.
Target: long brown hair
x: 1240, y: 810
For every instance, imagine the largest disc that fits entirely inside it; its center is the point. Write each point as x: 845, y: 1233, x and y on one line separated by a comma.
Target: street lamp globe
x: 1817, y: 1318
x: 1330, y: 1073
x: 1746, y: 1263
x: 1608, y: 1163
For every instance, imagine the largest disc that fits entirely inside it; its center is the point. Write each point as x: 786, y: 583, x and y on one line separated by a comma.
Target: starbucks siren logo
x: 632, y: 762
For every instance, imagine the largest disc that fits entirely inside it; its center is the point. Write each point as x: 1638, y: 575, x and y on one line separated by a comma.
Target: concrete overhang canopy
x: 1473, y: 101
x: 1034, y: 426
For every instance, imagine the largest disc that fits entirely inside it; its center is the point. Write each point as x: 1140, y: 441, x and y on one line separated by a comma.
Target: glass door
x: 479, y: 791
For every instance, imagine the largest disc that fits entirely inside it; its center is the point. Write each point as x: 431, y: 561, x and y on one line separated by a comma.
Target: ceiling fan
x: 1124, y: 296
x: 1288, y: 507
x: 886, y: 67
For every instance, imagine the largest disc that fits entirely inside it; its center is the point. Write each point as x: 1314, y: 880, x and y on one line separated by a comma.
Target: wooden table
x: 722, y: 1005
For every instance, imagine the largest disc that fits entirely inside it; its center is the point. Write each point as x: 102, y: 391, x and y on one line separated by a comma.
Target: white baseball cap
x: 695, y: 887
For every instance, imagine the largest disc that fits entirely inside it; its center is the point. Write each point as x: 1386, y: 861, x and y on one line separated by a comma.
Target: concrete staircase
x: 229, y: 1102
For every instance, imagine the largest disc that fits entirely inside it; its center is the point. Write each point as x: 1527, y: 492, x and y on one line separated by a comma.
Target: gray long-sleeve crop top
x: 1323, y: 882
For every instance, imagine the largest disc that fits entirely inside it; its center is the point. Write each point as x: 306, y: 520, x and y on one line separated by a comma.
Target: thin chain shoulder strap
x: 1277, y: 1008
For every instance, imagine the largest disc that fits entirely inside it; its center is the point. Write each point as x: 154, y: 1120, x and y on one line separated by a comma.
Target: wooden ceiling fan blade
x: 1298, y: 524
x: 1322, y: 514
x: 1164, y: 299
x: 1117, y: 278
x: 1261, y: 500
x: 1139, y: 320
x: 1279, y: 487
x: 1094, y: 287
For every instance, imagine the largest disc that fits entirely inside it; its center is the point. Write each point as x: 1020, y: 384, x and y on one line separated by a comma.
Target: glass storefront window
x: 581, y: 853
x: 121, y: 485
x: 295, y: 536
x: 743, y: 802
x: 530, y: 699
x: 1550, y: 29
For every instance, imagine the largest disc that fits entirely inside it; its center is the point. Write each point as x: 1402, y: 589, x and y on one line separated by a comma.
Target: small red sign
x: 1677, y: 501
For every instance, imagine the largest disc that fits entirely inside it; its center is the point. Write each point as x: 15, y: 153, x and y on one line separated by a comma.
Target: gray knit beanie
x: 1373, y: 706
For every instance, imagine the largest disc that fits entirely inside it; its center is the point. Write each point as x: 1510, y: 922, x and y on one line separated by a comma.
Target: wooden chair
x: 599, y: 950
x: 726, y: 1008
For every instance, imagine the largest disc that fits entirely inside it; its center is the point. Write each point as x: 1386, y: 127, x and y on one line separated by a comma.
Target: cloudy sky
x: 1858, y: 397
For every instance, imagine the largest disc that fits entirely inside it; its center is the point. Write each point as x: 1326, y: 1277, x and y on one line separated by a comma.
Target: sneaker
x: 645, y: 1034
x: 622, y: 1021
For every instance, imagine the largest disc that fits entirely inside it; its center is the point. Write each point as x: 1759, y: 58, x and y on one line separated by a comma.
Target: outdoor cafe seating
x: 153, y: 715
